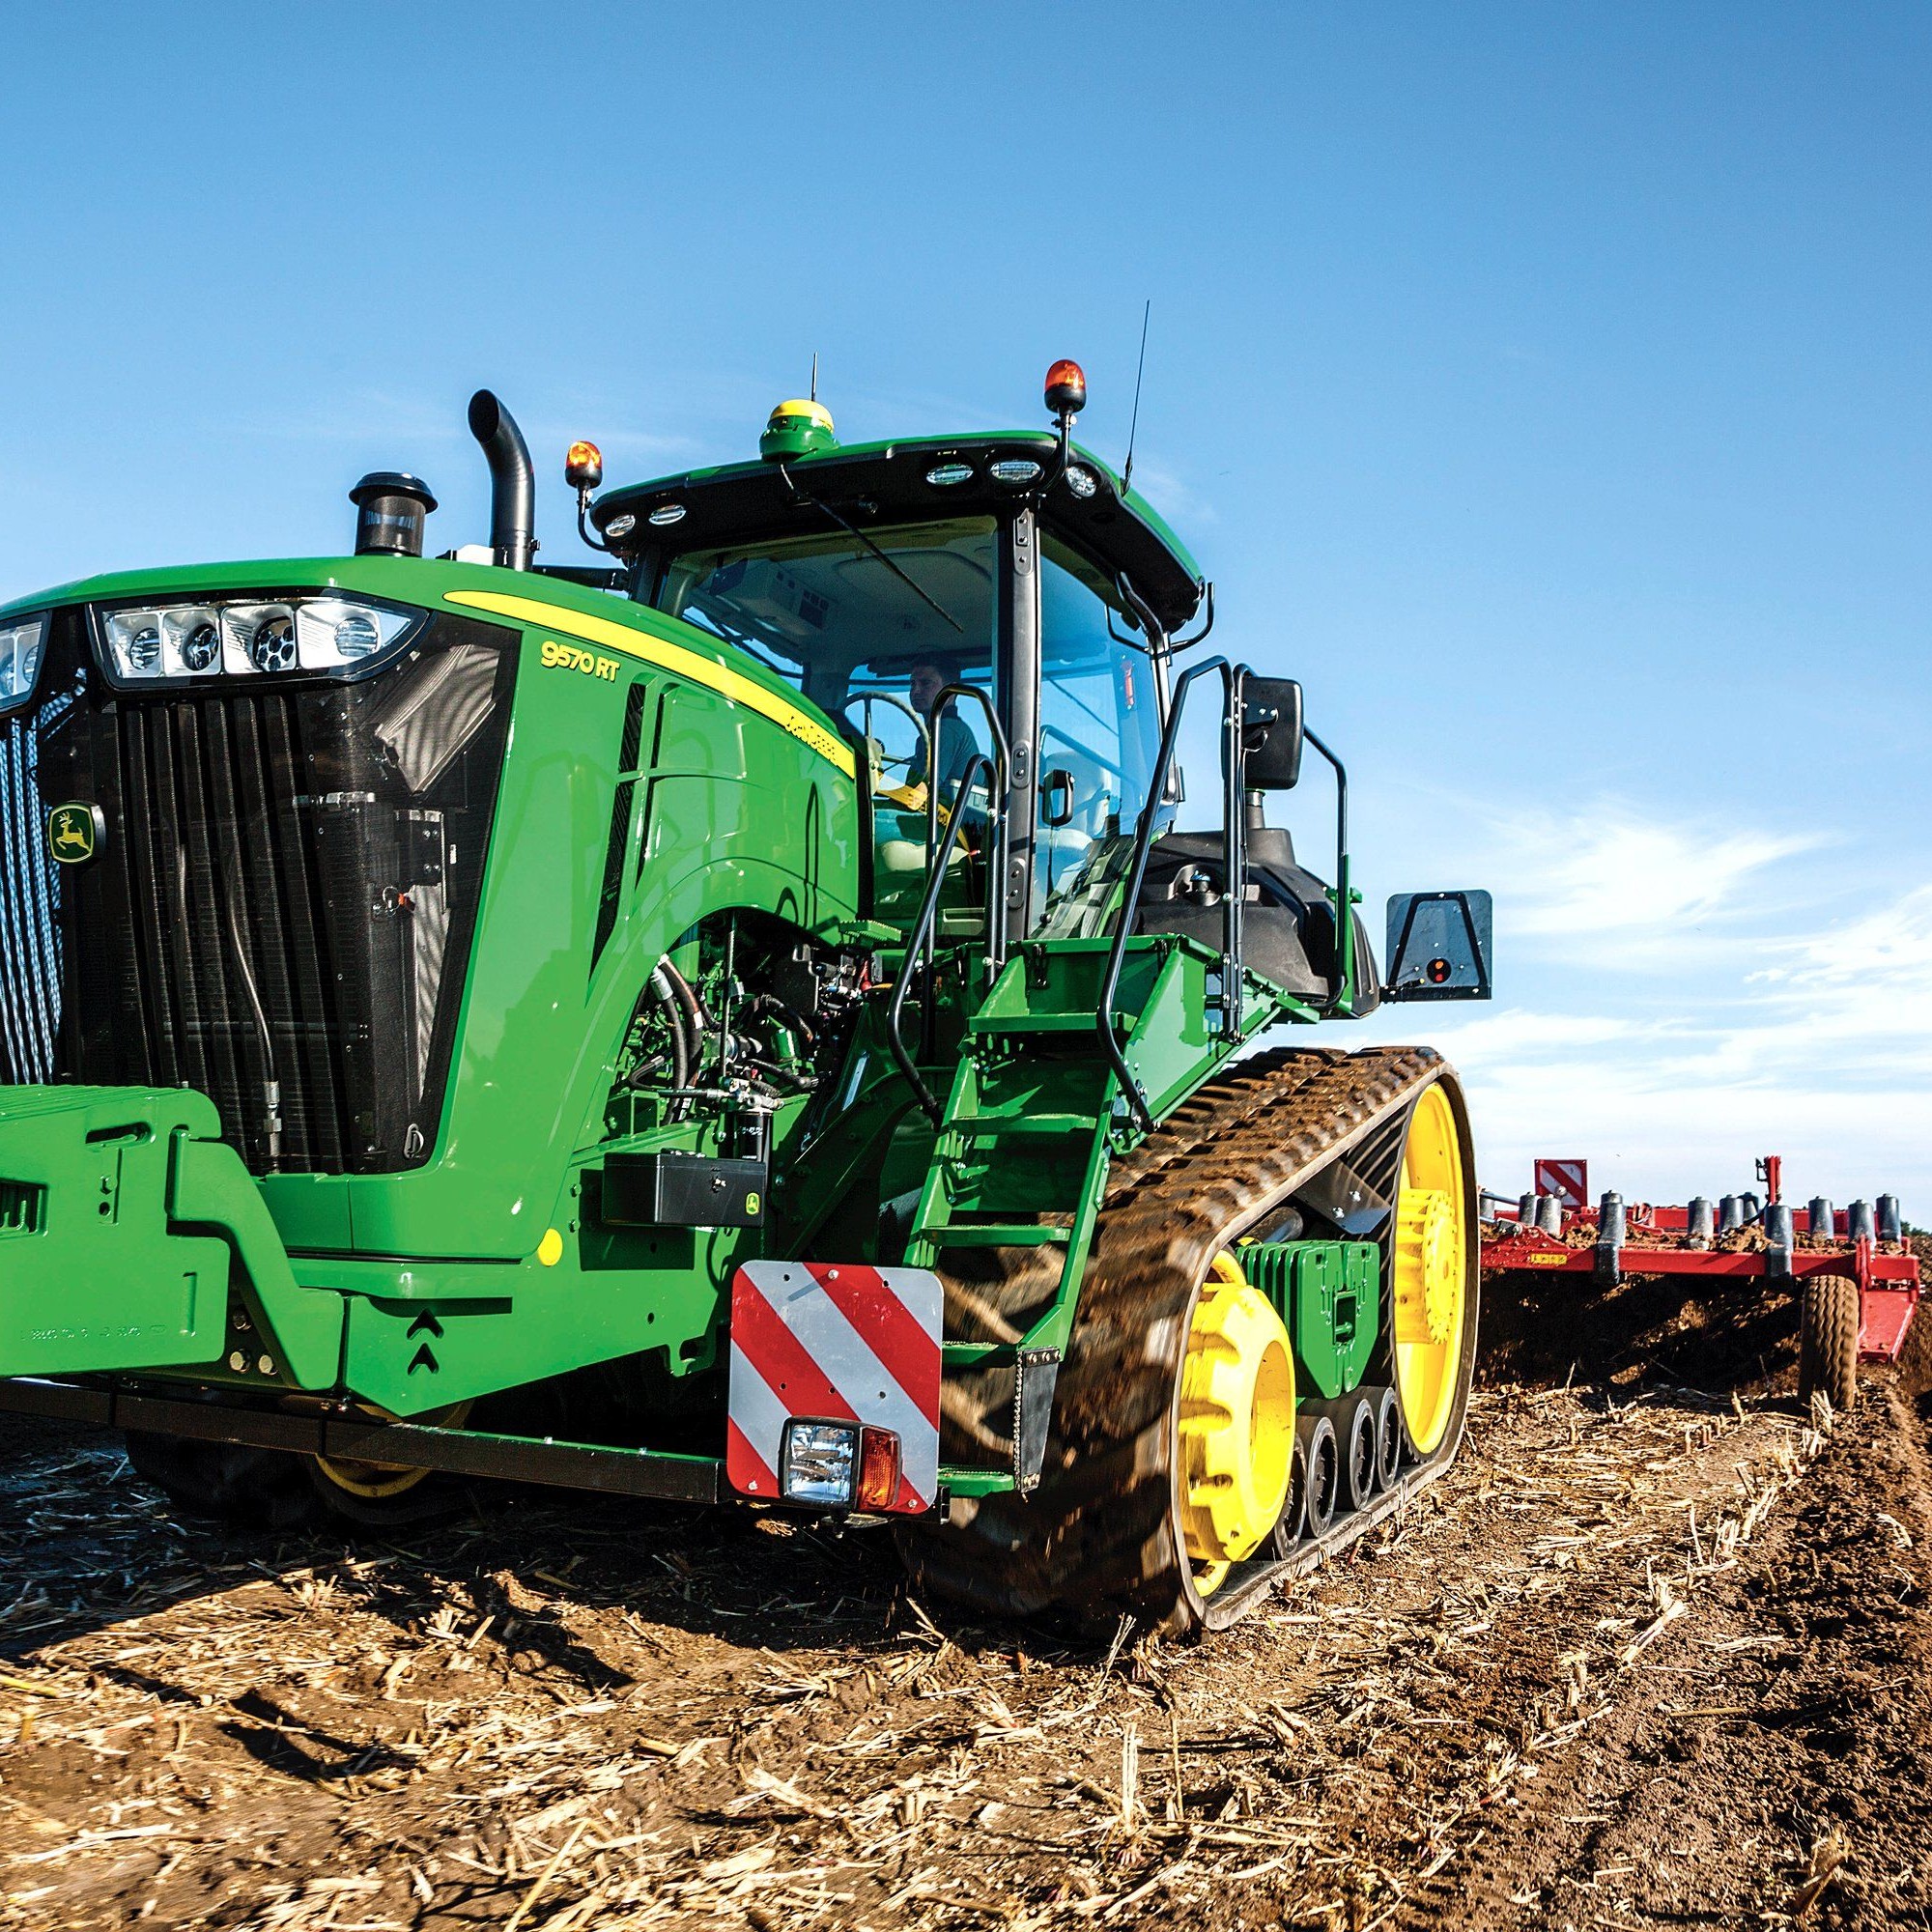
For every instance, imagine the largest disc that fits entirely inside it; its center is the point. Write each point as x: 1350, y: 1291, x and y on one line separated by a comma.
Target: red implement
x: 1618, y: 1241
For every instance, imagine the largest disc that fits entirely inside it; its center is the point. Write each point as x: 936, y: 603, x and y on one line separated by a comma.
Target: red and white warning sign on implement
x: 1568, y: 1180
x: 842, y: 1342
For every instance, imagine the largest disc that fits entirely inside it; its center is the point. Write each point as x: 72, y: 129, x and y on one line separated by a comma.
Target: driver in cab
x: 953, y: 742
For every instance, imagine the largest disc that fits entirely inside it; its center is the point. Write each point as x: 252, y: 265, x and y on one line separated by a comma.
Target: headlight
x: 332, y: 632
x: 191, y: 641
x: 259, y: 636
x: 170, y: 642
x: 819, y: 1462
x: 134, y: 637
x: 20, y: 642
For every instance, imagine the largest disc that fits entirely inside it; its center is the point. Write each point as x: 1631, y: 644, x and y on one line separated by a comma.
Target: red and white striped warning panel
x: 1568, y: 1180
x: 838, y: 1341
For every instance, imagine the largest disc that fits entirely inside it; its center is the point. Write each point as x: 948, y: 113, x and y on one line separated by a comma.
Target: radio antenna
x: 1133, y: 428
x: 814, y: 375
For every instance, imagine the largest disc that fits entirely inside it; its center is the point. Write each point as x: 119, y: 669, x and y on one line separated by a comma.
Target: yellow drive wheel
x: 1237, y: 1424
x: 378, y: 1482
x: 1431, y: 1270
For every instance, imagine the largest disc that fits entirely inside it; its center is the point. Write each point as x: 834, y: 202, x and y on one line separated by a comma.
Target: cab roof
x: 880, y: 485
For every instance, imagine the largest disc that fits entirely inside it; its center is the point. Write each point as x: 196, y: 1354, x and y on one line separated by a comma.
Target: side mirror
x: 1439, y: 946
x: 1271, y: 732
x: 1056, y: 798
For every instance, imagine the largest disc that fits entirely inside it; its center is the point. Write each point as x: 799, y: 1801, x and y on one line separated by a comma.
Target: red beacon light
x: 583, y: 466
x: 1065, y: 391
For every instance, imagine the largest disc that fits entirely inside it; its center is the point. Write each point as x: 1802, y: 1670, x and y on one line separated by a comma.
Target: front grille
x: 30, y: 949
x: 286, y: 891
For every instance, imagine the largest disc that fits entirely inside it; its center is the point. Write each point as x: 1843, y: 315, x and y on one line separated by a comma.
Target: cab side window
x: 1099, y: 735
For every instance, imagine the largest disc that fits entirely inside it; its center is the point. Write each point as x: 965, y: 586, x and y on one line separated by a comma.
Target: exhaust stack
x: 513, y: 487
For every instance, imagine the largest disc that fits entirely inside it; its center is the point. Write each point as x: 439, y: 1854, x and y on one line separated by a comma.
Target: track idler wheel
x: 378, y: 1495
x: 1433, y: 1254
x: 1236, y: 1424
x: 1828, y: 1341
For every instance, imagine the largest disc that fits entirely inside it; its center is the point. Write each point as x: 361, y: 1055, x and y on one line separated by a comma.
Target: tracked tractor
x: 739, y: 1023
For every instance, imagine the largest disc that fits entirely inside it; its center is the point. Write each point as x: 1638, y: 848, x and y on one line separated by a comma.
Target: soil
x: 1655, y: 1653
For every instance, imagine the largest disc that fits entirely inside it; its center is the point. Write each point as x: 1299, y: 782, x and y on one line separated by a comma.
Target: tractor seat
x: 1288, y: 926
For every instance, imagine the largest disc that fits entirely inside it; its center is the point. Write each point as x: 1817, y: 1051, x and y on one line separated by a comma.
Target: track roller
x: 1321, y: 1458
x: 1355, y: 1420
x: 1287, y: 1532
x: 1388, y: 1438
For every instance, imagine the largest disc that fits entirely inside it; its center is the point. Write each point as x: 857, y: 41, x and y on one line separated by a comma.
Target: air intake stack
x: 389, y: 511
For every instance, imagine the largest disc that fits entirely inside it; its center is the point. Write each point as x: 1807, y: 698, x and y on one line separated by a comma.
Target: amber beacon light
x: 584, y: 466
x: 1065, y: 389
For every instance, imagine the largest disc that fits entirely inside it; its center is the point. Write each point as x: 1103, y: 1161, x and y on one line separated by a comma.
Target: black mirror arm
x: 1153, y: 638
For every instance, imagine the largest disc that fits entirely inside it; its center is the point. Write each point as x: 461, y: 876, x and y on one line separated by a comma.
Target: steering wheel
x: 865, y: 700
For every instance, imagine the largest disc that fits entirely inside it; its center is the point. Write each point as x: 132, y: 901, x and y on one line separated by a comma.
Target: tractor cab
x: 995, y: 623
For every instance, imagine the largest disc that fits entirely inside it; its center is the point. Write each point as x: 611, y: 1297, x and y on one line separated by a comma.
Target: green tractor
x: 736, y: 1025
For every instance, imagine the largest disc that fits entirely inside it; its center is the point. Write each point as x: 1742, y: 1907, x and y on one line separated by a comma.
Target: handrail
x: 998, y: 804
x: 920, y: 935
x: 1110, y: 982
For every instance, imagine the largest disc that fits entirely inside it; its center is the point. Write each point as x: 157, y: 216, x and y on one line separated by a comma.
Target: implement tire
x: 1828, y: 1341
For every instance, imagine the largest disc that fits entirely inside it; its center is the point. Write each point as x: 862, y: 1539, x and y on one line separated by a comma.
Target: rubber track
x: 1098, y: 1535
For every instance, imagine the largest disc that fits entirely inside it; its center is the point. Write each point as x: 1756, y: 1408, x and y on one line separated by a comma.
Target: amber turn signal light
x: 878, y: 1468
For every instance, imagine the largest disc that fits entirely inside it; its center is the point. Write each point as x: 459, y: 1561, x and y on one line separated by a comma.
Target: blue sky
x: 1546, y: 387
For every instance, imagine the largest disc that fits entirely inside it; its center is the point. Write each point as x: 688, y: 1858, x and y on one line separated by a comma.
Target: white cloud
x: 1613, y: 878
x: 1690, y: 1007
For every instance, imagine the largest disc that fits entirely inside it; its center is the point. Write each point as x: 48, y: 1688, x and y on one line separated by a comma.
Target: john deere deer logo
x: 74, y: 832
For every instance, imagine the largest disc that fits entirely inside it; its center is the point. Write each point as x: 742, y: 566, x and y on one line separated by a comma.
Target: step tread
x: 994, y: 1235
x: 995, y: 1024
x: 1032, y: 1127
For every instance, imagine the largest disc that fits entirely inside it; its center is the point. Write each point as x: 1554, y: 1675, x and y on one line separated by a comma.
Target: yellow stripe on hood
x: 666, y: 656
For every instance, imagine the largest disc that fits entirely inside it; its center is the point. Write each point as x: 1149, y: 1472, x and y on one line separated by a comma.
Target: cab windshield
x: 840, y: 614
x: 874, y: 627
